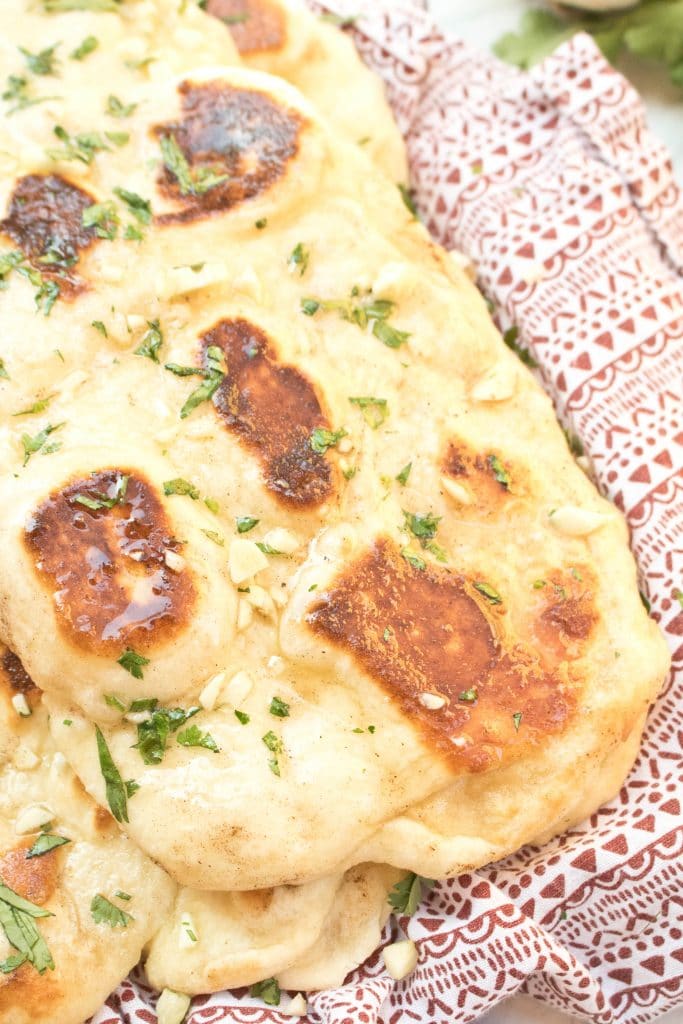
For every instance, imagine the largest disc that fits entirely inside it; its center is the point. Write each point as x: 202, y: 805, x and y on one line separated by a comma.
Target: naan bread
x: 284, y: 38
x: 452, y: 605
x: 82, y: 960
x: 310, y: 936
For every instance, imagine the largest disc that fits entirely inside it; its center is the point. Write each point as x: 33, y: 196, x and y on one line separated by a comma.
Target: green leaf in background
x: 653, y: 30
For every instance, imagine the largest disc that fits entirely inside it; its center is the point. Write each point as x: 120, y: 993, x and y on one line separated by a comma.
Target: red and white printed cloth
x: 551, y: 183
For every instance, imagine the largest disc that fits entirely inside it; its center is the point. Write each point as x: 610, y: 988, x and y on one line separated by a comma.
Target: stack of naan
x: 301, y: 588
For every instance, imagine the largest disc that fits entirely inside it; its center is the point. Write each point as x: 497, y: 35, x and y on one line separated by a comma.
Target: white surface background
x: 481, y: 22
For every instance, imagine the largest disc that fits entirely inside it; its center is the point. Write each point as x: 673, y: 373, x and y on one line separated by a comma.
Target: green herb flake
x: 122, y: 895
x: 181, y: 487
x: 117, y: 108
x: 100, y: 6
x: 362, y: 312
x: 140, y: 208
x: 213, y: 377
x: 215, y: 537
x: 190, y: 182
x: 246, y: 523
x: 44, y: 843
x: 402, y: 477
x: 112, y: 701
x: 101, y: 501
x: 321, y: 439
x: 38, y: 443
x: 85, y: 48
x: 407, y: 197
x: 133, y: 234
x: 499, y: 471
x: 423, y: 527
x: 279, y: 708
x: 274, y: 745
x: 510, y: 339
x: 407, y: 894
x: 153, y: 733
x: 678, y: 596
x: 117, y: 797
x: 212, y: 505
x: 517, y: 719
x: 387, y: 634
x: 491, y: 595
x: 469, y: 696
x: 42, y: 63
x: 17, y: 920
x: 194, y: 737
x: 103, y: 217
x: 17, y: 92
x: 99, y: 326
x: 267, y: 549
x: 104, y: 912
x: 132, y: 662
x: 242, y: 717
x: 261, y: 223
x: 414, y: 560
x: 4, y: 375
x: 268, y: 991
x: 644, y: 601
x: 152, y: 340
x: 83, y: 147
x: 131, y: 787
x: 375, y: 410
x: 38, y: 406
x: 298, y: 259
x: 539, y: 584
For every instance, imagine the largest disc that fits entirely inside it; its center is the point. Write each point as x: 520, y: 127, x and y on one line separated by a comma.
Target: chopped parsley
x: 117, y: 792
x: 423, y: 527
x: 3, y: 371
x: 213, y: 378
x: 678, y: 596
x: 47, y: 291
x: 212, y: 505
x: 279, y: 708
x: 182, y: 487
x: 42, y: 63
x: 55, y: 6
x: 38, y: 443
x: 246, y: 523
x: 242, y: 717
x: 82, y: 147
x: 44, y: 843
x: 140, y: 208
x: 261, y: 223
x: 298, y: 259
x: 510, y: 339
x: 116, y: 108
x: 517, y: 719
x: 17, y: 919
x: 103, y: 217
x: 215, y: 537
x: 267, y: 549
x: 274, y: 745
x: 375, y: 410
x: 362, y: 312
x: 402, y: 477
x: 407, y: 197
x: 413, y: 559
x: 489, y: 592
x: 152, y: 340
x: 194, y: 737
x: 268, y: 991
x: 99, y: 326
x: 112, y: 701
x: 539, y: 584
x: 153, y: 733
x: 469, y: 696
x: 321, y: 439
x: 85, y: 48
x: 190, y: 182
x: 38, y: 406
x: 132, y: 662
x: 17, y: 92
x: 104, y: 500
x: 104, y: 912
x: 406, y: 895
x: 499, y: 471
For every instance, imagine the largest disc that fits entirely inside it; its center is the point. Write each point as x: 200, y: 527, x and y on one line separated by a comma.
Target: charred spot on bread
x: 256, y: 26
x: 103, y: 554
x: 45, y: 220
x: 486, y: 477
x: 243, y: 138
x: 428, y: 638
x: 273, y: 408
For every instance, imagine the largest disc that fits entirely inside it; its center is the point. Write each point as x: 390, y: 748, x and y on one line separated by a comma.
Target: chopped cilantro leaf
x: 154, y: 732
x: 133, y: 662
x: 37, y: 443
x: 117, y: 796
x: 99, y: 326
x: 402, y: 477
x: 104, y: 912
x: 510, y: 339
x: 246, y: 523
x: 274, y: 745
x: 116, y: 108
x: 44, y: 843
x: 89, y: 44
x: 190, y: 182
x: 268, y: 991
x: 375, y: 410
x: 499, y: 471
x: 38, y: 406
x: 517, y: 719
x: 423, y: 527
x: 3, y: 371
x: 322, y: 439
x: 406, y: 895
x: 215, y: 537
x: 17, y: 920
x: 407, y: 197
x: 242, y: 717
x: 469, y: 696
x: 413, y: 559
x: 279, y: 708
x: 103, y: 217
x: 152, y: 341
x: 42, y: 63
x: 182, y: 487
x: 139, y: 207
x: 491, y: 595
x: 194, y: 737
x: 298, y: 259
x: 82, y: 147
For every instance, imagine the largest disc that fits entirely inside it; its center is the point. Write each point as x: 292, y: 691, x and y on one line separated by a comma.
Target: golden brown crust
x: 241, y: 133
x: 256, y: 26
x: 107, y: 564
x: 487, y: 476
x: 273, y: 409
x: 45, y: 219
x: 34, y: 878
x: 423, y: 633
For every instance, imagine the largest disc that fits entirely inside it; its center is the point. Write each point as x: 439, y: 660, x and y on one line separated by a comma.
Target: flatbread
x: 452, y: 602
x: 284, y: 38
x: 309, y: 936
x: 89, y: 958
